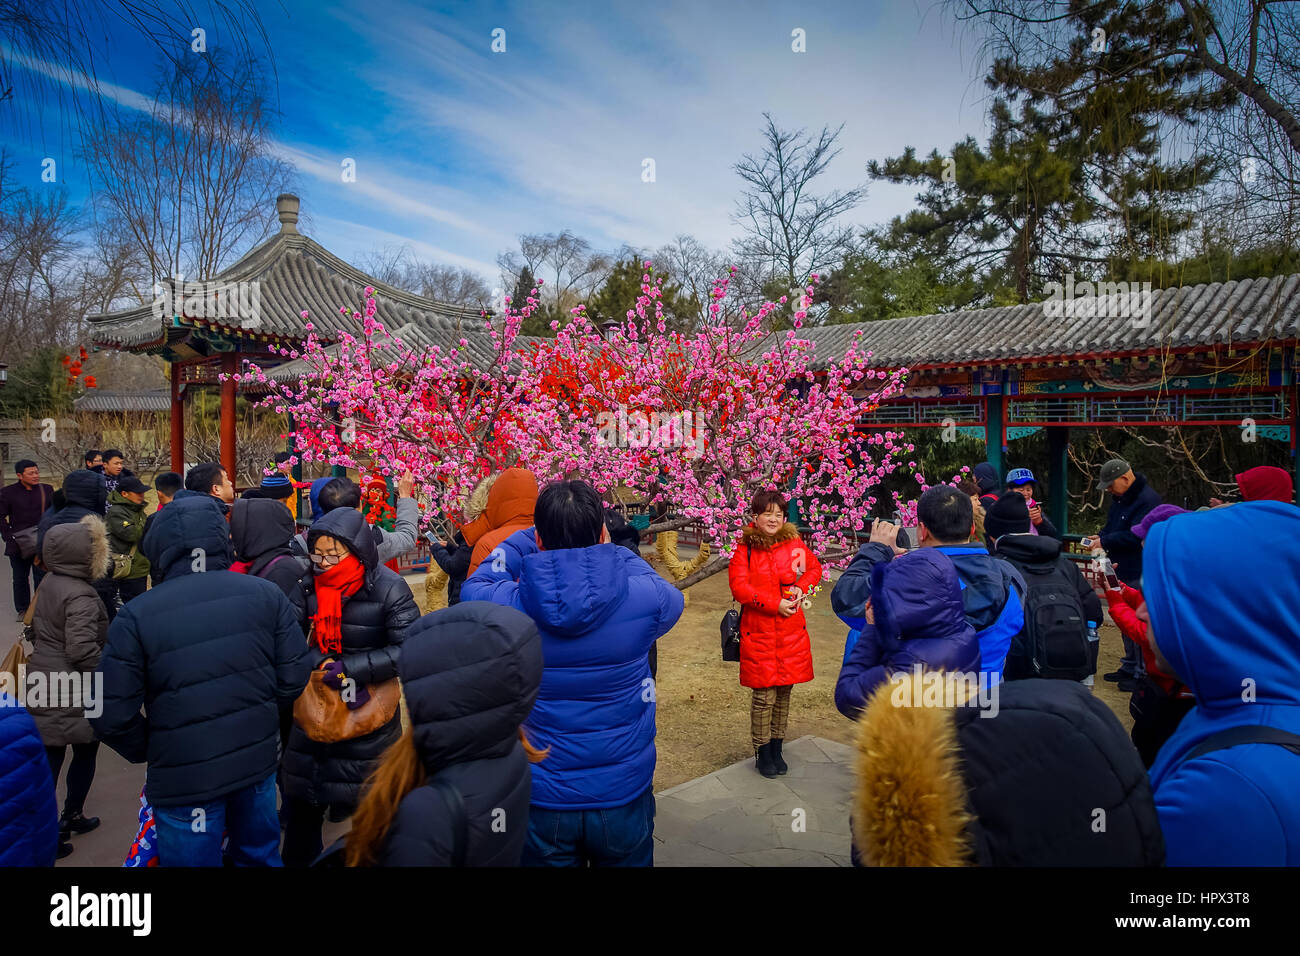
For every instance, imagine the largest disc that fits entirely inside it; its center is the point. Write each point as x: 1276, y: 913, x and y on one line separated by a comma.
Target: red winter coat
x: 774, y: 650
x: 1123, y: 611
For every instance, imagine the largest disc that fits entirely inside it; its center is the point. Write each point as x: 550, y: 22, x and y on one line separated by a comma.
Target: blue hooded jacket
x: 1229, y: 633
x: 599, y: 610
x: 29, y: 813
x: 313, y: 497
x: 920, y: 619
x: 988, y: 592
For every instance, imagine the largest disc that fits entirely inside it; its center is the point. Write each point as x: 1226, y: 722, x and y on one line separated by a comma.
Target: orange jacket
x: 509, y: 509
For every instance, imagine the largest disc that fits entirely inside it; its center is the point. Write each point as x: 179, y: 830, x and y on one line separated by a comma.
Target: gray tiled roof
x: 413, y: 336
x: 1221, y: 313
x: 296, y: 273
x: 98, y: 400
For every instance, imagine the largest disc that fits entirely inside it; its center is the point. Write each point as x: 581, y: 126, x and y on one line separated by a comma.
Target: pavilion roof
x: 293, y: 273
x: 1236, y: 313
x: 132, y: 400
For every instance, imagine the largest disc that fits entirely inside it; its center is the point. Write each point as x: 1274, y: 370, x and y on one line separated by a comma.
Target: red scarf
x: 332, y: 586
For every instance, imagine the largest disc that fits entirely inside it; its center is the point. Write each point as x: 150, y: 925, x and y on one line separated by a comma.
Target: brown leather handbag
x: 324, y: 716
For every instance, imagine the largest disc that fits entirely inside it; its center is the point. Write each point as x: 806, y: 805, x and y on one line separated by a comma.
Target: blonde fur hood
x: 77, y: 550
x: 909, y: 803
x: 753, y: 538
x: 477, y: 502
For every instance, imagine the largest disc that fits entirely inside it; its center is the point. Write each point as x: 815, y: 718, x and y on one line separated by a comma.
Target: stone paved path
x: 735, y: 817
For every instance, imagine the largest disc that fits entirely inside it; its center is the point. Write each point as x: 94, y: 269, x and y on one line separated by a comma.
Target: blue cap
x: 1019, y: 476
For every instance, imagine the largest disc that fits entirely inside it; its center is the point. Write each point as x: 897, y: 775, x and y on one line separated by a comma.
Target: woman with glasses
x: 358, y: 615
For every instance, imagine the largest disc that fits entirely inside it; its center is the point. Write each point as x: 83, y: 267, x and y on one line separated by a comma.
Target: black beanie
x: 986, y: 477
x: 1008, y: 515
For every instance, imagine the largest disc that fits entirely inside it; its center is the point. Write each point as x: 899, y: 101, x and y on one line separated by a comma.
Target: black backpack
x: 1056, y: 632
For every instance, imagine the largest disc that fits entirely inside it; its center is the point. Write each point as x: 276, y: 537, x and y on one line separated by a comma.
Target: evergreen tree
x: 539, y: 323
x: 622, y: 288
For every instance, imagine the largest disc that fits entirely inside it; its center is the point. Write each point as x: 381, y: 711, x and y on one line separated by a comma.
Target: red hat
x: 1266, y: 483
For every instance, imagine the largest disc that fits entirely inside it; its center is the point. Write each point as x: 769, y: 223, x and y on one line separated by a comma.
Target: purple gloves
x: 335, y: 678
x: 333, y: 674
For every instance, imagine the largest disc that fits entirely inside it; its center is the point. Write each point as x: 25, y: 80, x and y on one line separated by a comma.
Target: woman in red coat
x: 770, y: 573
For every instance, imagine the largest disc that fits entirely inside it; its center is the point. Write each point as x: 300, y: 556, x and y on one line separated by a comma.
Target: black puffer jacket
x: 470, y: 675
x: 210, y: 655
x: 1049, y: 779
x: 454, y: 562
x: 1039, y: 560
x: 84, y: 493
x: 375, y: 621
x: 261, y: 530
x: 1036, y: 781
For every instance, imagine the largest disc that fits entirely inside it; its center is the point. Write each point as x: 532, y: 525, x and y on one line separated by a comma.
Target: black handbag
x: 731, y: 635
x: 730, y: 628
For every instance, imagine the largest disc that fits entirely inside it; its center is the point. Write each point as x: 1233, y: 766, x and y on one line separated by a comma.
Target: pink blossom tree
x: 697, y: 423
x: 694, y: 424
x: 375, y: 402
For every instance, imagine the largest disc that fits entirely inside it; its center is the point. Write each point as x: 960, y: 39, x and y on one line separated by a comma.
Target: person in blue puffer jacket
x: 914, y: 617
x: 29, y: 814
x: 991, y: 589
x: 599, y: 608
x: 1224, y: 796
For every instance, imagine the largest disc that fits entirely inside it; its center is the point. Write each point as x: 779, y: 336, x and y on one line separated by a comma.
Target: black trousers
x: 23, y: 568
x: 302, y: 832
x: 81, y: 772
x: 133, y: 587
x: 1155, y: 722
x: 108, y: 590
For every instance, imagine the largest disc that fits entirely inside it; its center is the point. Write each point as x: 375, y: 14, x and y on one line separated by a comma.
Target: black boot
x: 64, y: 849
x: 76, y: 823
x: 780, y: 764
x: 764, y: 762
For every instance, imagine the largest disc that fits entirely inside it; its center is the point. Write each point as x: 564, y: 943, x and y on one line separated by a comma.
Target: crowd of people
x: 1210, y: 774
x: 274, y: 674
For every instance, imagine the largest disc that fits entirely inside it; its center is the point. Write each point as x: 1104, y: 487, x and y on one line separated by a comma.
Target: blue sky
x: 459, y: 149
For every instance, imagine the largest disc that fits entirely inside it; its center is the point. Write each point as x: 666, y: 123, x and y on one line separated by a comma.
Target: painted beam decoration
x: 1208, y: 389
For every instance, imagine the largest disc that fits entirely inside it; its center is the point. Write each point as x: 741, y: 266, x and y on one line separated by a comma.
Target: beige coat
x: 70, y: 622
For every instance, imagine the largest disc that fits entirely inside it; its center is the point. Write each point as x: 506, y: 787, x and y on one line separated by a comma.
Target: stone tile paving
x: 735, y: 817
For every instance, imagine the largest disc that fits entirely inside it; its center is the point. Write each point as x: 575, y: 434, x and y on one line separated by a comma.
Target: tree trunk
x: 678, y: 569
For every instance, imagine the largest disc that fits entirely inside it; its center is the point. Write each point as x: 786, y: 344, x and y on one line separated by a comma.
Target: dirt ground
x: 703, y: 712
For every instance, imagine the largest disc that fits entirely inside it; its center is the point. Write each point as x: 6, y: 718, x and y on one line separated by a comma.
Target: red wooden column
x: 178, y: 421
x: 229, y: 368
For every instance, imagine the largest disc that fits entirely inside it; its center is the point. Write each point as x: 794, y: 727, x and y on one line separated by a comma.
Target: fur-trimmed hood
x: 753, y: 538
x: 1045, y: 776
x: 77, y: 550
x: 909, y: 803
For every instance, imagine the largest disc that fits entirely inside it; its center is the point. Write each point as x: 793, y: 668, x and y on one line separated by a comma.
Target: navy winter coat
x: 29, y: 815
x: 375, y: 622
x: 1123, y: 547
x: 210, y: 655
x: 470, y: 675
x: 1233, y: 636
x: 84, y: 493
x: 919, y: 619
x: 599, y: 610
